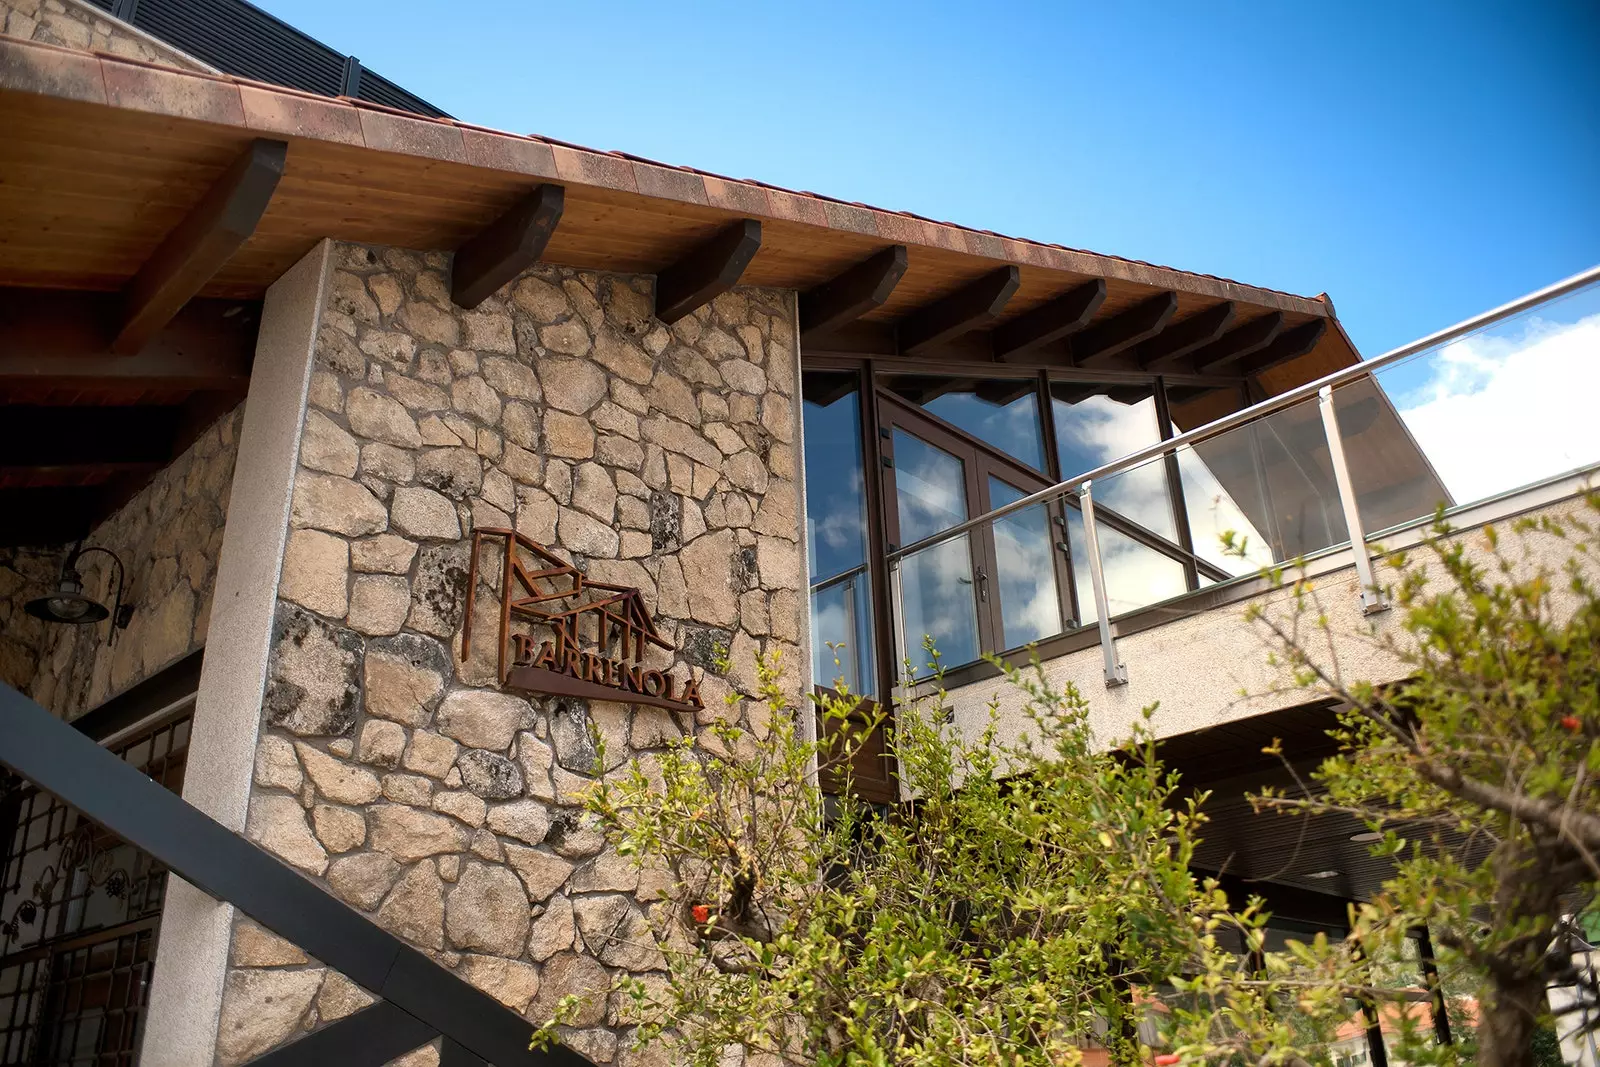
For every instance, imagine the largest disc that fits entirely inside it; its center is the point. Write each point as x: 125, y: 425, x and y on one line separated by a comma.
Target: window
x: 836, y: 532
x: 997, y: 587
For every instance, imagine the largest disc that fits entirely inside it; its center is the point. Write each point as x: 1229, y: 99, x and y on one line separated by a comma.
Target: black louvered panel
x: 380, y: 90
x: 239, y: 38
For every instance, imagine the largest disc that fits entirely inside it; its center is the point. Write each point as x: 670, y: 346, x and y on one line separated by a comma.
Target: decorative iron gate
x: 79, y: 911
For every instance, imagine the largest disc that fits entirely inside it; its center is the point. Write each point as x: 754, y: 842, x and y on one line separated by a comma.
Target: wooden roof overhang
x: 105, y: 163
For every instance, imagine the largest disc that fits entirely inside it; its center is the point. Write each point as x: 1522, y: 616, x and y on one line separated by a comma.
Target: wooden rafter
x: 1178, y: 340
x: 1061, y: 317
x: 506, y: 247
x: 1099, y: 344
x: 55, y: 340
x: 707, y: 272
x: 975, y: 304
x: 1296, y: 341
x: 854, y: 293
x: 1238, y: 343
x: 198, y: 247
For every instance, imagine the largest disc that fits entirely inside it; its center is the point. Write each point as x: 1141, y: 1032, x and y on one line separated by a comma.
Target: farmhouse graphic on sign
x: 565, y: 635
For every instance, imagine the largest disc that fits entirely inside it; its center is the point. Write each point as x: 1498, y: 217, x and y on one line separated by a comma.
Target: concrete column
x: 192, y: 952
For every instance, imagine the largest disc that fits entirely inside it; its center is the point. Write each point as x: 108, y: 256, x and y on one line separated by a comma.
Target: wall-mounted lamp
x: 69, y: 603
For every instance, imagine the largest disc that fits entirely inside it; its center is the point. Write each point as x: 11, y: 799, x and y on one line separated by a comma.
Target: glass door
x: 995, y: 588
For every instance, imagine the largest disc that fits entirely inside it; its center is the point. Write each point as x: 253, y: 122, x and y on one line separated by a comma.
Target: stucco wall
x: 80, y: 25
x: 405, y: 780
x: 1212, y: 667
x: 168, y: 536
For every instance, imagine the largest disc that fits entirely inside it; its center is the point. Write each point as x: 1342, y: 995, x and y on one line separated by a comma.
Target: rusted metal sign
x: 563, y: 634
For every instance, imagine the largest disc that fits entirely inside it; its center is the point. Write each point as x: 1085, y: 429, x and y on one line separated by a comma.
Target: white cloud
x: 1498, y: 412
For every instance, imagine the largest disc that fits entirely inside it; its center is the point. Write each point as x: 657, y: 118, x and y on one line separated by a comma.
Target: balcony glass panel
x: 1499, y: 409
x: 936, y: 584
x: 1030, y: 604
x: 1136, y: 575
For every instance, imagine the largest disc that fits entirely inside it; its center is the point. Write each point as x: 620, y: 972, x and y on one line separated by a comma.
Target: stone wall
x: 81, y: 25
x: 401, y: 777
x: 168, y: 536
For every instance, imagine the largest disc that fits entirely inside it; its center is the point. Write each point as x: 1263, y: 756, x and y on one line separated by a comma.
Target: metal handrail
x: 1258, y: 411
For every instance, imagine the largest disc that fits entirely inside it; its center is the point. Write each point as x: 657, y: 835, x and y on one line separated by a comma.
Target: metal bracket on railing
x: 1372, y: 598
x: 1116, y: 673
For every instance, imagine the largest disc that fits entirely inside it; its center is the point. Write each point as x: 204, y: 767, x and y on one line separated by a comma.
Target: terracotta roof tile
x: 593, y: 168
x: 387, y: 132
x: 518, y: 155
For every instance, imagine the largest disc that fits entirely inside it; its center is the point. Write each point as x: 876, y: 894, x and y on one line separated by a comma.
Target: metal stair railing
x: 419, y: 999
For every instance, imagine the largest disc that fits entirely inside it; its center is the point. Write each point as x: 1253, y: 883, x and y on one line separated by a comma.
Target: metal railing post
x: 1372, y: 598
x: 1116, y: 673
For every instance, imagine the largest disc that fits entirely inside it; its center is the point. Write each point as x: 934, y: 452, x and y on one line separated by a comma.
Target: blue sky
x: 1418, y: 161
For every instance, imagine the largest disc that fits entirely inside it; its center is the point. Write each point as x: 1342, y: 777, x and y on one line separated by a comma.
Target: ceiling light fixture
x: 71, y: 605
x: 1320, y: 875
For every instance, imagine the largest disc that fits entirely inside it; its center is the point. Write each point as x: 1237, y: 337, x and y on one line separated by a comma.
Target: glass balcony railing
x: 1496, y: 404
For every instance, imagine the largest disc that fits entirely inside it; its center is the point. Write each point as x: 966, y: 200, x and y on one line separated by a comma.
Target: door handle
x: 983, y: 584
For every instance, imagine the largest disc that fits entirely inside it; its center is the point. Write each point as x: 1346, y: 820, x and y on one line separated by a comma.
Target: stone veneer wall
x: 398, y: 776
x: 80, y: 25
x: 168, y: 536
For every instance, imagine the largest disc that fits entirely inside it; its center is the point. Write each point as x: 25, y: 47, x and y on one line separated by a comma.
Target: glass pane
x: 1212, y: 513
x: 1030, y: 606
x: 1096, y: 424
x: 1136, y: 576
x: 836, y: 503
x: 841, y: 636
x: 1274, y: 471
x: 1491, y: 412
x: 1004, y: 414
x: 1140, y: 494
x: 936, y: 584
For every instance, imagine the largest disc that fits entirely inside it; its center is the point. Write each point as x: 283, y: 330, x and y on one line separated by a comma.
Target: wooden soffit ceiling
x: 102, y: 157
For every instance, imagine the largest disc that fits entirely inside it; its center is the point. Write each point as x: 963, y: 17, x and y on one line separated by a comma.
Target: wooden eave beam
x: 707, y: 272
x: 852, y: 294
x: 1052, y: 321
x: 55, y: 340
x: 198, y: 247
x: 506, y: 247
x: 1293, y: 342
x: 1172, y: 344
x: 975, y: 304
x: 1236, y: 344
x: 1098, y: 345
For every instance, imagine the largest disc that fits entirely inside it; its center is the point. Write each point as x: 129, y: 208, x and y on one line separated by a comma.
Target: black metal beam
x: 854, y: 293
x: 506, y: 247
x: 371, y: 1037
x: 1178, y: 340
x: 1238, y: 343
x: 975, y: 304
x: 1099, y: 344
x: 222, y: 864
x: 198, y: 247
x: 1295, y: 341
x: 1052, y: 321
x: 54, y: 339
x: 707, y: 272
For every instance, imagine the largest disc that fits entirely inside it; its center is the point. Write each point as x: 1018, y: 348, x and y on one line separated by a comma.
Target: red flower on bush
x: 1167, y: 1059
x: 701, y: 913
x: 1571, y: 722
